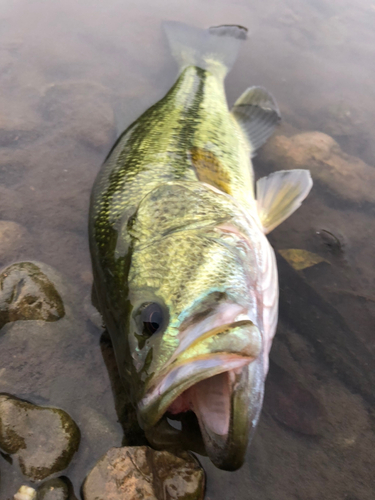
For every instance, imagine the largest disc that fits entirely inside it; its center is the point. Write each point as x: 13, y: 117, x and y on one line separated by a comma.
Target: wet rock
x: 43, y: 439
x: 140, y: 472
x: 83, y: 110
x: 346, y: 176
x: 56, y: 489
x: 292, y: 404
x: 12, y: 237
x: 25, y: 493
x: 26, y: 293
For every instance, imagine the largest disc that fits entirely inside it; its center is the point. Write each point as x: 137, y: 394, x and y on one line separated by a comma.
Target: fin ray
x: 257, y: 113
x: 214, y: 49
x: 280, y: 194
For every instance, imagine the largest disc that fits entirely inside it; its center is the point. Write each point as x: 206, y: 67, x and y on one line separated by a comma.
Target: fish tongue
x: 227, y: 407
x: 211, y: 402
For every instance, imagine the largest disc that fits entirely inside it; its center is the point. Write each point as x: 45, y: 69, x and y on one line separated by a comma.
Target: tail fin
x: 214, y: 49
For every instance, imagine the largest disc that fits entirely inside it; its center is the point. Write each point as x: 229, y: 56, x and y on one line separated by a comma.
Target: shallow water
x: 68, y: 70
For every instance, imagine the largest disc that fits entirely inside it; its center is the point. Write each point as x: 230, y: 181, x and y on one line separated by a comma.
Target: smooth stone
x: 43, y: 439
x: 346, y: 176
x: 135, y: 472
x: 56, y: 489
x: 25, y: 493
x: 26, y: 293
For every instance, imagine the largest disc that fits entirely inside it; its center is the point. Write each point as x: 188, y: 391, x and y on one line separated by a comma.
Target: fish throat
x: 209, y: 400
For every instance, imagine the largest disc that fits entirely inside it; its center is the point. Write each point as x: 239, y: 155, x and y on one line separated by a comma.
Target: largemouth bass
x: 185, y: 277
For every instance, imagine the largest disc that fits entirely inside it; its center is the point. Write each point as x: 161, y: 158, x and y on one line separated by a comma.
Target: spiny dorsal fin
x: 258, y: 114
x: 280, y: 194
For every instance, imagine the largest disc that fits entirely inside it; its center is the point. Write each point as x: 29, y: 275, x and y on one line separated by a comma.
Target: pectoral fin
x: 280, y: 194
x: 258, y: 114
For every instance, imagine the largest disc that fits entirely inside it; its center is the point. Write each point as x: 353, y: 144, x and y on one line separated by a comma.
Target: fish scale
x: 184, y: 276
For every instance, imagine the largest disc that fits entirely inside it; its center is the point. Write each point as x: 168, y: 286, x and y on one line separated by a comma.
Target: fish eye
x: 152, y: 318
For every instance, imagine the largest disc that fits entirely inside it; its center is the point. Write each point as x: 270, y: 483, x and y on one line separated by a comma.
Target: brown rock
x: 139, y: 472
x: 43, y: 439
x: 348, y: 177
x: 27, y: 294
x: 56, y: 489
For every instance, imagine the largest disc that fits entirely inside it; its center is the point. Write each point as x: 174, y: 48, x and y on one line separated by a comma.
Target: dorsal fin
x: 258, y: 114
x: 280, y: 194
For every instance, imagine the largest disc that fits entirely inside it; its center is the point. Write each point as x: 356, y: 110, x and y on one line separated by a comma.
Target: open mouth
x: 223, y: 389
x: 210, y: 400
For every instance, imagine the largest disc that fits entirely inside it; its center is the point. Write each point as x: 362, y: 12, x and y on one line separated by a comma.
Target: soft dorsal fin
x: 258, y: 114
x: 280, y: 194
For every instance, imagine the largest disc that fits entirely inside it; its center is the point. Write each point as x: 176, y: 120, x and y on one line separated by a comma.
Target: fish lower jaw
x: 210, y: 400
x: 212, y: 415
x: 177, y: 386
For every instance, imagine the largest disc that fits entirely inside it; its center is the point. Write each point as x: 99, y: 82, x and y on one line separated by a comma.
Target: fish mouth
x: 223, y: 387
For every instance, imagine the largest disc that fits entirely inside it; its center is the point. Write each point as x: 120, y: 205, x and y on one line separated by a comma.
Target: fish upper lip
x: 185, y: 371
x: 160, y: 398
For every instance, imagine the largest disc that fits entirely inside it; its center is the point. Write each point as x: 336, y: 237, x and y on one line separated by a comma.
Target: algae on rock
x: 135, y: 472
x: 43, y: 439
x: 26, y: 293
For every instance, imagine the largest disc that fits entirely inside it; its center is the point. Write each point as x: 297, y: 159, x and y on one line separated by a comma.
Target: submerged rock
x: 27, y: 294
x: 347, y: 176
x: 25, y: 493
x: 17, y: 132
x: 83, y: 110
x: 43, y: 439
x: 56, y: 489
x: 140, y: 472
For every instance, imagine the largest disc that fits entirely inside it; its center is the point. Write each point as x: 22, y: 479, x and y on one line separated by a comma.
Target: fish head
x: 194, y: 329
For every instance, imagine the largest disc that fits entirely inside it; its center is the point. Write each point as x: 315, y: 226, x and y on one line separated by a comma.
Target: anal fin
x: 280, y: 194
x: 258, y: 114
